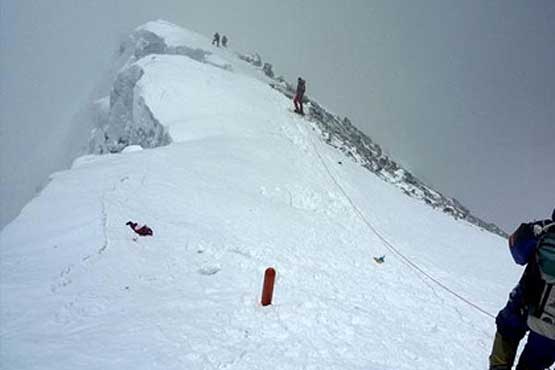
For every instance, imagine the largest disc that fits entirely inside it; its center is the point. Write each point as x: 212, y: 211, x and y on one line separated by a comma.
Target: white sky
x: 460, y: 92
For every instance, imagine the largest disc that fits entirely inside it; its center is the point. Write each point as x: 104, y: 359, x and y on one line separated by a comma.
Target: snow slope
x: 244, y: 185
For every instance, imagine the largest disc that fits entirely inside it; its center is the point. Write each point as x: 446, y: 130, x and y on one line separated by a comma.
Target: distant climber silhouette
x: 299, y: 95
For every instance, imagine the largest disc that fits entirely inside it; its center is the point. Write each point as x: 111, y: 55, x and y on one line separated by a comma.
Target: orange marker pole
x: 268, y: 290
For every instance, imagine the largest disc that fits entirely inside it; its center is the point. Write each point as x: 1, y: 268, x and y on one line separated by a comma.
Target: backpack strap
x: 547, y: 293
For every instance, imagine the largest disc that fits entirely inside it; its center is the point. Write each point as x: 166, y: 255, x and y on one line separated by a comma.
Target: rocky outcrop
x: 129, y: 121
x: 343, y: 135
x: 267, y: 69
x: 253, y: 59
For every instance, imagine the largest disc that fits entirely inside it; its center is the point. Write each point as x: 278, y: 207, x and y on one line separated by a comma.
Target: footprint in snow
x: 209, y: 270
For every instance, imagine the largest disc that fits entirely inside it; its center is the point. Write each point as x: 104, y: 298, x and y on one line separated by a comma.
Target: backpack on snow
x: 541, y: 317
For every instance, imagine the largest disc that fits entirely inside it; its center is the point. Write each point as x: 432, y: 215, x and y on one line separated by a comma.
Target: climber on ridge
x: 216, y: 39
x: 298, y: 100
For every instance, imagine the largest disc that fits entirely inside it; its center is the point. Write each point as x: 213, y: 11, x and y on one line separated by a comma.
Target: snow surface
x: 244, y: 185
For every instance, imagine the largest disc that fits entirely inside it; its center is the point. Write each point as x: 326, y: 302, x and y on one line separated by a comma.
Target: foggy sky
x: 462, y: 93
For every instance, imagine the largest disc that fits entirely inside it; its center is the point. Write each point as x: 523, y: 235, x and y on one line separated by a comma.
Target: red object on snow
x: 268, y: 290
x: 141, y: 230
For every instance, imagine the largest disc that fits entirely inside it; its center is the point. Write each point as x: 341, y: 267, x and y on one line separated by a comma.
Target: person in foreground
x: 531, y: 305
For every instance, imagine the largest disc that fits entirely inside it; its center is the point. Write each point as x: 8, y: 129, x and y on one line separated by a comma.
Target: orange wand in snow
x: 268, y: 290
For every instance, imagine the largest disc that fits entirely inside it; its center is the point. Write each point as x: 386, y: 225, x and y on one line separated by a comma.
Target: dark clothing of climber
x: 298, y: 100
x: 216, y: 40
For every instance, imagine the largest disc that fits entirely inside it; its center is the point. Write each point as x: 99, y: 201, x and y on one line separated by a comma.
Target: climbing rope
x: 404, y: 259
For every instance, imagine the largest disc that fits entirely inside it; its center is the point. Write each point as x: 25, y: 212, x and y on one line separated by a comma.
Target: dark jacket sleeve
x: 523, y: 242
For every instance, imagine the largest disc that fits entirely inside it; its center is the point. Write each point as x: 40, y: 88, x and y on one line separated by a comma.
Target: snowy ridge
x: 131, y: 123
x: 343, y: 135
x: 128, y: 120
x: 241, y: 184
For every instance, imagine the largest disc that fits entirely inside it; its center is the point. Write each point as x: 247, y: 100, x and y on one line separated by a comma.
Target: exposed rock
x: 267, y: 69
x: 147, y: 43
x: 253, y: 59
x: 343, y: 135
x: 130, y: 121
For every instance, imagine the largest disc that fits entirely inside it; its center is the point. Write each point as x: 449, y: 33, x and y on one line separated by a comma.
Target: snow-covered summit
x: 231, y: 183
x: 129, y: 121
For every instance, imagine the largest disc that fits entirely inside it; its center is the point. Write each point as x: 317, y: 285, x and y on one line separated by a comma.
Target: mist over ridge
x: 460, y: 93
